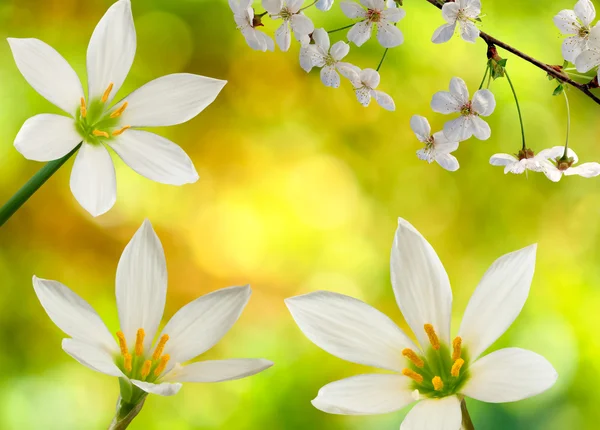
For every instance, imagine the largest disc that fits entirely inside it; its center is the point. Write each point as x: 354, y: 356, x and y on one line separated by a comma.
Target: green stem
x: 487, y: 69
x: 467, y: 423
x: 568, y: 125
x: 341, y: 28
x: 382, y: 58
x: 306, y: 7
x: 126, y: 412
x: 518, y: 108
x: 27, y: 190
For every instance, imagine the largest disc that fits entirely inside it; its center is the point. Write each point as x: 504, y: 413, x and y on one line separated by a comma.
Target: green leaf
x: 558, y: 90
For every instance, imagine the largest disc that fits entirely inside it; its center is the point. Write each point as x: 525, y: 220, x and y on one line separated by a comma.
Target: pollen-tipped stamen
x: 107, y: 93
x: 146, y: 368
x: 122, y: 342
x: 455, y: 371
x: 83, y: 108
x: 437, y: 382
x: 139, y: 342
x: 100, y: 133
x: 456, y: 348
x: 119, y: 111
x: 413, y: 357
x: 160, y: 347
x: 127, y: 362
x: 162, y: 365
x: 412, y: 375
x: 433, y: 338
x: 121, y: 130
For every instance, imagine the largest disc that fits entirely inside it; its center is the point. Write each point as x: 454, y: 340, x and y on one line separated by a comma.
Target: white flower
x: 321, y: 54
x: 388, y: 35
x: 293, y: 19
x: 590, y: 57
x: 365, y: 82
x: 442, y: 371
x: 169, y: 100
x: 576, y: 23
x: 141, y: 287
x: 463, y: 12
x: 457, y: 101
x: 243, y: 14
x: 437, y: 147
x: 324, y: 5
x: 554, y: 166
x: 524, y: 160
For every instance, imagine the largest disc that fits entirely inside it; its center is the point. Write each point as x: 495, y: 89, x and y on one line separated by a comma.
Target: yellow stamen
x: 160, y: 347
x: 456, y: 346
x: 121, y: 130
x: 127, y: 362
x: 146, y: 368
x: 107, y: 93
x: 437, y: 382
x: 433, y: 339
x: 412, y: 375
x: 412, y: 356
x: 122, y: 342
x: 456, y: 367
x: 162, y: 365
x: 83, y: 108
x: 139, y: 342
x: 119, y: 111
x: 100, y: 133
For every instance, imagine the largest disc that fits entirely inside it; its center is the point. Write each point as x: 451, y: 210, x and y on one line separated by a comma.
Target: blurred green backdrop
x: 300, y: 190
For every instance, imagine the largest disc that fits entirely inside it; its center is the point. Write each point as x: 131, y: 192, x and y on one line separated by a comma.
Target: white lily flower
x: 293, y: 19
x: 243, y: 14
x: 554, y: 166
x: 590, y: 57
x: 461, y: 12
x: 457, y: 101
x: 365, y: 82
x: 437, y: 147
x: 443, y: 370
x: 169, y: 100
x: 141, y: 288
x: 576, y: 23
x: 322, y: 54
x: 521, y: 162
x: 375, y: 15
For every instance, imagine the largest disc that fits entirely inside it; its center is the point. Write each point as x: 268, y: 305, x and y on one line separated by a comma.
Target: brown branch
x: 555, y: 71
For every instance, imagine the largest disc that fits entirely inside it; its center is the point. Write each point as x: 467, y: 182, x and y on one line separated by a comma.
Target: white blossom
x: 577, y: 24
x: 243, y: 14
x: 365, y: 82
x: 461, y: 12
x: 324, y: 5
x: 437, y: 147
x: 555, y: 166
x: 590, y: 57
x: 524, y: 160
x: 293, y: 21
x: 375, y: 15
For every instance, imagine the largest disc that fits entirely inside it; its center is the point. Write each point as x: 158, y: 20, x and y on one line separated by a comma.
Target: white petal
x: 420, y: 126
x: 170, y: 100
x: 294, y: 5
x: 370, y: 77
x: 301, y: 25
x: 481, y: 129
x: 164, y: 389
x: 218, y: 370
x: 365, y: 395
x: 352, y: 10
x: 572, y: 47
x: 503, y: 159
x: 360, y: 33
x: 72, y: 314
x: 330, y: 77
x: 442, y: 144
x: 458, y: 129
x: 438, y: 414
x: 306, y: 57
x: 498, y: 300
x: 585, y: 11
x: 450, y: 12
x: 420, y: 283
x: 586, y: 170
x: 48, y: 73
x: 266, y: 40
x: 321, y: 38
x: 111, y: 50
x: 551, y: 171
x: 363, y: 95
x: 272, y: 6
x: 458, y: 88
x: 444, y: 102
x: 324, y: 5
x: 252, y: 39
x: 444, y: 33
x: 388, y: 35
x: 448, y: 162
x: 566, y: 21
x: 426, y: 154
x: 283, y: 36
x: 484, y: 102
x: 93, y: 181
x: 141, y: 285
x: 557, y: 151
x: 350, y: 72
x: 509, y: 375
x: 394, y: 14
x: 469, y: 31
x: 587, y: 60
x: 384, y: 100
x: 47, y: 137
x: 339, y: 50
x: 350, y: 329
x: 91, y: 356
x: 199, y: 325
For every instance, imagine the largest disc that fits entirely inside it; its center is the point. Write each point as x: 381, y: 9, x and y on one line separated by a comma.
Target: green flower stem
x: 126, y: 412
x: 27, y: 190
x: 518, y: 107
x: 467, y: 423
x: 568, y: 125
x: 306, y: 7
x: 341, y: 28
x: 487, y: 69
x: 382, y: 58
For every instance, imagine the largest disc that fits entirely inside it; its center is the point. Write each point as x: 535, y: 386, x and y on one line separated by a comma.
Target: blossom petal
x: 324, y: 5
x: 438, y: 414
x: 498, y: 300
x: 481, y: 129
x: 469, y: 31
x: 458, y: 129
x: 450, y: 12
x: 350, y: 329
x: 558, y: 151
x: 566, y: 21
x: 585, y: 11
x: 72, y: 314
x: 141, y: 285
x: 199, y: 325
x: 370, y: 77
x: 218, y: 370
x: 572, y: 47
x: 363, y: 95
x: 283, y: 36
x: 458, y: 88
x: 484, y: 102
x: 444, y: 33
x: 448, y: 162
x: 444, y: 102
x: 272, y: 6
x: 365, y: 395
x: 321, y: 38
x: 48, y: 73
x: 330, y: 77
x: 111, y: 51
x: 393, y: 14
x: 420, y: 126
x: 384, y: 100
x: 91, y: 356
x: 586, y: 170
x: 301, y: 25
x: 339, y: 50
x: 360, y: 33
x: 503, y: 159
x: 587, y: 60
x: 353, y: 10
x: 163, y: 389
x: 47, y: 137
x: 388, y: 35
x: 509, y: 375
x: 551, y: 171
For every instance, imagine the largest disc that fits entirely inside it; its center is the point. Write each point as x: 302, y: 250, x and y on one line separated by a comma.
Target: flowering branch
x: 555, y: 71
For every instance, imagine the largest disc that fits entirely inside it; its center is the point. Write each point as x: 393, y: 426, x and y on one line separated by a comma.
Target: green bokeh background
x: 300, y: 190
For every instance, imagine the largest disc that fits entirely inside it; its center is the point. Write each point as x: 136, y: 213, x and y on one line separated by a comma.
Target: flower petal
x: 360, y: 32
x: 72, y: 314
x: 503, y: 159
x: 353, y: 10
x: 587, y: 60
x: 469, y: 31
x: 363, y: 95
x: 509, y: 375
x: 558, y: 151
x: 586, y: 170
x: 111, y: 51
x: 330, y: 77
x: 450, y: 12
x: 480, y: 129
x: 350, y: 329
x: 199, y: 325
x: 321, y: 38
x: 585, y: 11
x: 484, y: 102
x: 324, y: 5
x: 394, y: 14
x: 365, y: 395
x: 444, y: 33
x: 163, y: 389
x: 272, y: 6
x: 420, y: 126
x: 420, y: 283
x: 48, y: 73
x: 566, y: 21
x: 283, y: 36
x: 498, y: 300
x: 458, y: 129
x: 384, y: 100
x: 301, y: 25
x: 339, y: 50
x: 458, y: 88
x: 448, y: 162
x: 444, y: 102
x: 91, y: 356
x: 47, y: 137
x: 551, y: 171
x: 438, y: 414
x: 388, y: 35
x: 572, y: 47
x: 218, y: 370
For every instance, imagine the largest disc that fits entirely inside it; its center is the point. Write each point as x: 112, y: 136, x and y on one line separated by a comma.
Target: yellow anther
x: 121, y: 130
x: 162, y: 365
x: 119, y: 111
x: 122, y: 342
x: 83, y: 108
x: 160, y: 347
x: 412, y: 375
x: 437, y: 382
x: 107, y: 93
x: 433, y: 339
x: 100, y: 133
x: 127, y: 362
x: 456, y: 367
x: 456, y: 346
x: 139, y: 342
x: 412, y: 356
x: 146, y: 368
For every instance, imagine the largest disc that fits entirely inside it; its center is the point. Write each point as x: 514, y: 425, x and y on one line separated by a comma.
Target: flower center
x: 525, y: 154
x: 441, y: 372
x: 373, y: 15
x: 584, y: 32
x: 135, y: 364
x: 563, y: 164
x: 285, y: 14
x: 95, y: 123
x: 467, y: 109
